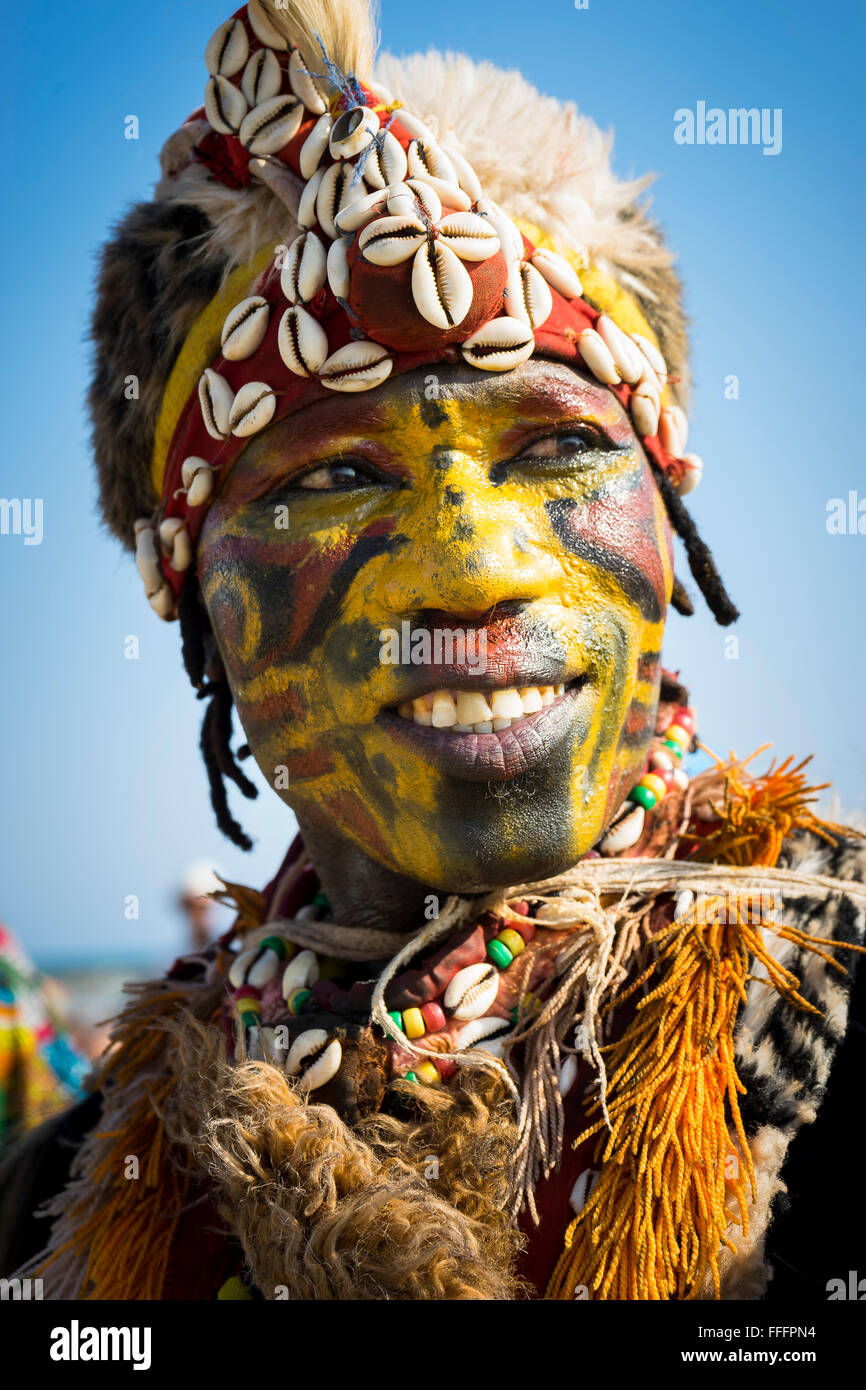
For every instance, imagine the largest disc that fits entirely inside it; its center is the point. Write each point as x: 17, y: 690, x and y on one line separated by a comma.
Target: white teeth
x: 444, y: 710
x: 506, y: 704
x: 474, y: 712
x: 472, y: 708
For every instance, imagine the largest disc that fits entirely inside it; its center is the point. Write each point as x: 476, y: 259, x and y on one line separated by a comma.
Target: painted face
x: 461, y: 542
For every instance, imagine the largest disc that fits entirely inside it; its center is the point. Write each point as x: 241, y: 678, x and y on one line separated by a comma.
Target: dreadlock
x: 216, y: 730
x: 698, y: 553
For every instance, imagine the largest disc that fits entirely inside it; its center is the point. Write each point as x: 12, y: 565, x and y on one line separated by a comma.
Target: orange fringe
x: 675, y: 1167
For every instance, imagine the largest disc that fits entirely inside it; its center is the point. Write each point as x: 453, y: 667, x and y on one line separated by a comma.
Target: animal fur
x: 536, y: 156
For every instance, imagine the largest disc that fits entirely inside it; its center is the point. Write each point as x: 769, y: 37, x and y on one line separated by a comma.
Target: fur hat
x: 541, y: 161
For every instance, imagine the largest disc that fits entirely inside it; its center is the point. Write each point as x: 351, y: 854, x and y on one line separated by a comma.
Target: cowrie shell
x: 314, y: 146
x: 356, y: 367
x: 466, y: 175
x: 391, y: 240
x: 227, y: 49
x: 472, y: 991
x: 680, y: 420
x: 305, y: 86
x: 626, y: 355
x: 147, y: 560
x: 162, y: 602
x: 558, y: 273
x: 414, y: 126
x: 304, y: 269
x: 644, y: 407
x: 335, y: 192
x: 441, y: 287
x: 681, y: 779
x: 252, y: 409
x: 499, y: 345
x: 567, y: 1074
x: 527, y: 294
x: 314, y: 1059
x: 468, y: 236
x: 478, y: 1029
x: 683, y: 903
x: 225, y: 106
x: 262, y: 77
x: 386, y: 162
x: 448, y: 193
x: 269, y: 127
x: 175, y: 542
x: 363, y: 210
x: 428, y: 160
x: 338, y: 267
x: 669, y: 434
x: 597, y: 356
x: 308, y: 214
x: 302, y: 342
x: 264, y: 969
x: 625, y: 831
x: 352, y: 132
x: 660, y: 759
x: 694, y: 470
x: 427, y: 197
x: 582, y: 1190
x: 244, y: 328
x: 240, y: 965
x: 509, y: 236
x: 263, y: 27
x: 215, y: 396
x: 652, y: 355
x: 190, y: 467
x: 300, y: 973
x: 201, y: 487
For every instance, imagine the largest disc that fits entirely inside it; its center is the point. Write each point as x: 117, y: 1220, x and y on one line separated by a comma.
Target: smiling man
x: 518, y: 1015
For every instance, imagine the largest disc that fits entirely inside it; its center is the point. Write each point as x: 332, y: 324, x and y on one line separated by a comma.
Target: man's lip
x: 494, y: 757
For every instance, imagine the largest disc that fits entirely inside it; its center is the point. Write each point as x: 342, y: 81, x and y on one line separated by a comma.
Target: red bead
x: 667, y: 777
x: 684, y: 719
x: 248, y: 992
x: 445, y: 1067
x: 433, y: 1016
x: 525, y: 929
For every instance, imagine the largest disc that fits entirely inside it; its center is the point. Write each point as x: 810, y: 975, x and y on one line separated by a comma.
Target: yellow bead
x: 513, y: 940
x: 247, y: 1005
x: 427, y: 1072
x: 413, y: 1024
x: 678, y: 735
x: 654, y: 783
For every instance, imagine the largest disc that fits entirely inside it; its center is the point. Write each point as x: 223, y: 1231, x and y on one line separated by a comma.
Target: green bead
x: 320, y: 900
x: 674, y: 747
x: 514, y: 1013
x: 643, y: 796
x: 396, y: 1017
x: 499, y: 954
x: 297, y: 999
x: 275, y: 944
x: 410, y: 1076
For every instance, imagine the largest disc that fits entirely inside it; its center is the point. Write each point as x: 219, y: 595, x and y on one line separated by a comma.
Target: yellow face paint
x: 517, y: 510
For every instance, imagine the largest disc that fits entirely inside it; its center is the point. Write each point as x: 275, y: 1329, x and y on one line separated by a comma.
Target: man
x: 525, y: 1010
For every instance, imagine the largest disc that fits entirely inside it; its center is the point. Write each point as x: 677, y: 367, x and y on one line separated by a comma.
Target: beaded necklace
x: 460, y: 998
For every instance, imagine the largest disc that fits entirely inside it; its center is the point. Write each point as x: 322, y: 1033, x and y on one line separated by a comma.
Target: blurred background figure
x: 42, y: 1063
x: 198, y: 908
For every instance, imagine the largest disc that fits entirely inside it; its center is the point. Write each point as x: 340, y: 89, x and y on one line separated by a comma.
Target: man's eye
x: 332, y: 477
x: 560, y: 446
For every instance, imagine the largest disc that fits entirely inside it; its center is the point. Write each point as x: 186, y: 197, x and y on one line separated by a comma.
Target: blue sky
x: 103, y: 793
